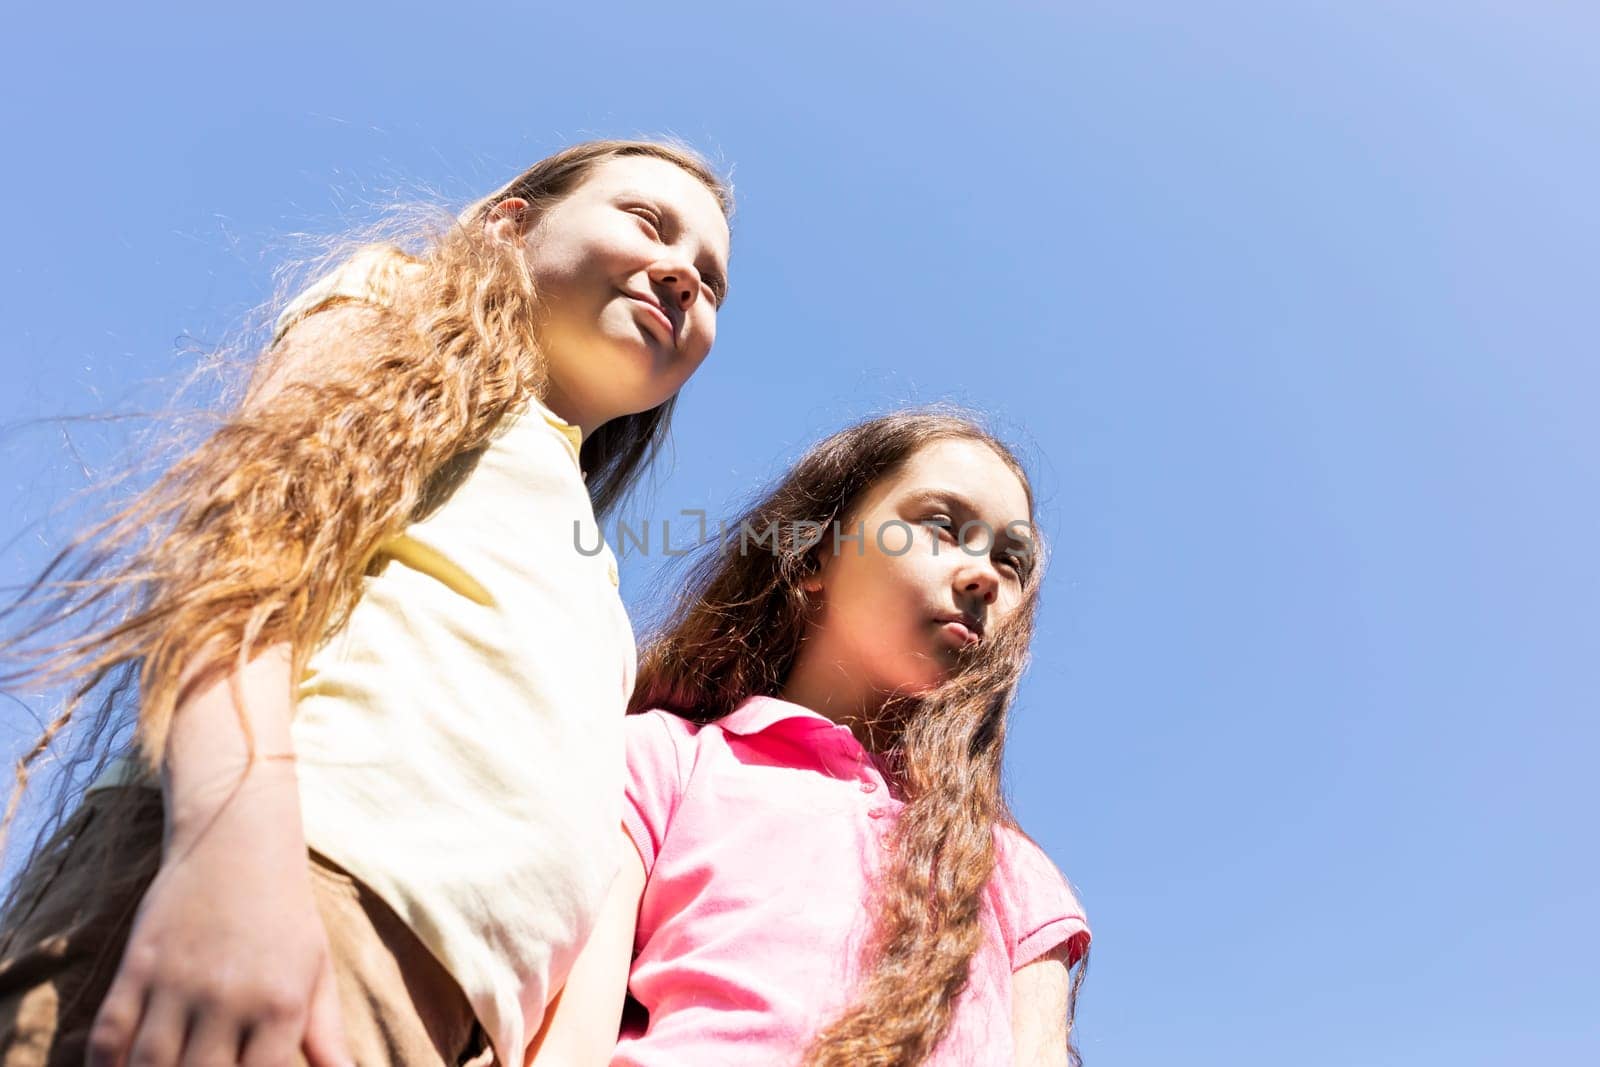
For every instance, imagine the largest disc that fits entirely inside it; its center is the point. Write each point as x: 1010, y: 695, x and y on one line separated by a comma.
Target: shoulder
x: 653, y: 733
x: 657, y: 740
x: 659, y: 728
x: 327, y: 330
x: 371, y: 276
x: 1019, y: 857
x: 660, y: 754
x: 1037, y: 908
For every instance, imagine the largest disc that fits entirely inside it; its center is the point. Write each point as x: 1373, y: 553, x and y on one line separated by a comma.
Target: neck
x: 564, y: 409
x: 830, y: 691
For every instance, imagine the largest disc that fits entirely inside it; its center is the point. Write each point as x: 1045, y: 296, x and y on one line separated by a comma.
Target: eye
x: 716, y: 287
x: 1013, y: 562
x: 942, y: 522
x: 649, y: 216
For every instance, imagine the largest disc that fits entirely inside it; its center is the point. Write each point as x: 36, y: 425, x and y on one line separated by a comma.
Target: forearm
x: 227, y: 960
x: 581, y: 1023
x: 210, y: 761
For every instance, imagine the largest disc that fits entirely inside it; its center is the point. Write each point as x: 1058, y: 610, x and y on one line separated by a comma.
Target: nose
x: 678, y: 282
x: 980, y: 581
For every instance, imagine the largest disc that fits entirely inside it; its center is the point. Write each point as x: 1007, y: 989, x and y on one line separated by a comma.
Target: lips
x: 658, y: 315
x: 968, y: 628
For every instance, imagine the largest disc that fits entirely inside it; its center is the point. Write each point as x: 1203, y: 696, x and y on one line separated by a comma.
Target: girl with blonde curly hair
x: 369, y: 812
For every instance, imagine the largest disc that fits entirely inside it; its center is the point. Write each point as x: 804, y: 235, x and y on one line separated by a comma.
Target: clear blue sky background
x: 1292, y: 304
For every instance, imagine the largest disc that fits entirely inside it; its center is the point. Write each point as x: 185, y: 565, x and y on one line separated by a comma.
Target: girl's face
x: 894, y: 612
x: 630, y: 268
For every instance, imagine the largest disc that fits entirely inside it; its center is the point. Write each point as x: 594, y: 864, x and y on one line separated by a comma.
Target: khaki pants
x: 65, y: 940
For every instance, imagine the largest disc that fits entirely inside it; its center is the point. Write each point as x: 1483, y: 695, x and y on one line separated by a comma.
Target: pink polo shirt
x: 761, y: 835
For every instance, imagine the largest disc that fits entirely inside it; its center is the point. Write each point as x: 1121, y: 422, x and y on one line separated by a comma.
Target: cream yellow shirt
x: 460, y: 739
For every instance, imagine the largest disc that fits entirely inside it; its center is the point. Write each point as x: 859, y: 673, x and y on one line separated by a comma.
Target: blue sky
x: 1291, y: 307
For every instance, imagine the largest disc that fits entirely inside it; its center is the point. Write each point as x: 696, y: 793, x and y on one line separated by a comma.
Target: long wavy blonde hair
x: 261, y: 534
x: 734, y: 633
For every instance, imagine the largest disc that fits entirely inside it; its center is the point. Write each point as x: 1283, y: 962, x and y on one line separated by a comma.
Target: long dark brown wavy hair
x: 262, y: 533
x: 735, y: 633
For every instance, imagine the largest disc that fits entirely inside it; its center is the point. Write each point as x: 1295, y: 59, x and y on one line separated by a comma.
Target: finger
x: 212, y: 1041
x: 274, y: 1038
x: 159, y: 1040
x: 115, y: 1023
x: 325, y: 1044
x: 271, y: 1044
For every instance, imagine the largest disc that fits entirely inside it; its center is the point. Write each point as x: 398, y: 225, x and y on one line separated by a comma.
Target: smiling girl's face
x: 629, y: 268
x: 894, y: 616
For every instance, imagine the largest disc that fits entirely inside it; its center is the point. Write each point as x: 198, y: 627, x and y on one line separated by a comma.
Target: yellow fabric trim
x: 569, y: 431
x: 419, y: 557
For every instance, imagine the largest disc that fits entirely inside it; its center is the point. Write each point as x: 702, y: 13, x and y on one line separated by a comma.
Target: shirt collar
x: 567, y: 430
x: 760, y: 712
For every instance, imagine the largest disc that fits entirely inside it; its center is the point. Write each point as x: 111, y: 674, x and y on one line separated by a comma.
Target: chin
x: 923, y: 684
x: 635, y: 381
x: 615, y: 388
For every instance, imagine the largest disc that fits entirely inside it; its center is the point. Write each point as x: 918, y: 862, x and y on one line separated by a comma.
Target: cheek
x: 1006, y: 606
x: 621, y: 247
x: 555, y: 280
x: 905, y: 587
x: 706, y: 333
x: 567, y: 259
x: 883, y: 597
x: 857, y: 594
x: 697, y: 342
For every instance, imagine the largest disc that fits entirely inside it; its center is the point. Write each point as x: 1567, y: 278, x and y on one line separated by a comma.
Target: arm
x: 233, y: 888
x: 581, y: 1023
x: 192, y: 983
x: 208, y: 759
x: 1039, y: 1011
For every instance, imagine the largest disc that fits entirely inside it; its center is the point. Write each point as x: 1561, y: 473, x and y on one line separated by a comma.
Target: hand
x: 228, y: 961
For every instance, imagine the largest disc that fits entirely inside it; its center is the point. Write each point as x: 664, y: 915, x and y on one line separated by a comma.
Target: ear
x: 509, y: 220
x: 812, y: 583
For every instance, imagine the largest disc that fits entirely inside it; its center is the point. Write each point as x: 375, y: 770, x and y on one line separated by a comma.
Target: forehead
x: 660, y: 179
x: 970, y: 469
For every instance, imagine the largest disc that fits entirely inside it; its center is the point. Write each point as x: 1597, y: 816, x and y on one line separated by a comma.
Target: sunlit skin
x: 885, y: 624
x: 630, y: 267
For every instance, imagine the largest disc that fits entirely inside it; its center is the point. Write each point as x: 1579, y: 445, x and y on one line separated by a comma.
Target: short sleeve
x: 372, y: 275
x: 1036, y: 908
x: 656, y: 742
